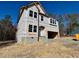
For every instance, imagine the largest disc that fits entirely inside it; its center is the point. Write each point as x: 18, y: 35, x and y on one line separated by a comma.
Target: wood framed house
x: 32, y: 18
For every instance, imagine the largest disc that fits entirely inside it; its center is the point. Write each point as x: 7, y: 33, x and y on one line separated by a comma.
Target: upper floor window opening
x: 31, y: 13
x: 42, y: 18
x: 35, y: 14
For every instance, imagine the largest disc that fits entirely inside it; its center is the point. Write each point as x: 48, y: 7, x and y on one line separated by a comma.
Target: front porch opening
x: 52, y: 34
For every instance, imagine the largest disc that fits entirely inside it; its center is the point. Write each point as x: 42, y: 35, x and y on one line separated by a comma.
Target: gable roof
x: 30, y: 5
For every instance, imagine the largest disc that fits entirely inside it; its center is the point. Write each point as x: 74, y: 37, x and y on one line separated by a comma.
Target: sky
x: 53, y: 7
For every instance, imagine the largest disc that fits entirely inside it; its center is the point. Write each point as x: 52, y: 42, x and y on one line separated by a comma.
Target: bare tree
x: 7, y: 30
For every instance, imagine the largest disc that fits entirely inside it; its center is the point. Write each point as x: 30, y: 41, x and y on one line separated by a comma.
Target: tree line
x: 68, y: 24
x: 7, y: 29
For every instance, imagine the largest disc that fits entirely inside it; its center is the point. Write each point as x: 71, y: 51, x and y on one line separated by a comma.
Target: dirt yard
x: 57, y: 48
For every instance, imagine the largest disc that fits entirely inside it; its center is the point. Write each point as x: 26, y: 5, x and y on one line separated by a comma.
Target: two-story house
x: 33, y: 22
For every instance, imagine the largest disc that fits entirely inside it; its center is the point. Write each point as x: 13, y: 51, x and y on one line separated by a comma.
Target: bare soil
x: 60, y: 48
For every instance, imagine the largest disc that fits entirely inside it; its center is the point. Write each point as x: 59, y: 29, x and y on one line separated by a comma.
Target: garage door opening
x: 52, y: 34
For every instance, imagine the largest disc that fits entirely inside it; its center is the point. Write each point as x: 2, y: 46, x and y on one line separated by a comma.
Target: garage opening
x: 52, y: 34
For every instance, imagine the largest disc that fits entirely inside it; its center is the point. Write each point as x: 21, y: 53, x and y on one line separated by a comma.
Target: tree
x: 61, y: 24
x: 73, y: 22
x: 7, y: 29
